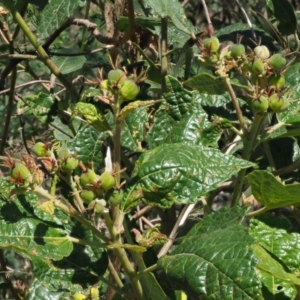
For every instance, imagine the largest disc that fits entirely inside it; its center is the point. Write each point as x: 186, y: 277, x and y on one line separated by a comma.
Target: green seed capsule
x: 277, y: 62
x: 262, y: 52
x: 129, y: 90
x: 212, y: 44
x: 237, y: 51
x: 108, y: 181
x: 260, y: 105
x: 88, y: 177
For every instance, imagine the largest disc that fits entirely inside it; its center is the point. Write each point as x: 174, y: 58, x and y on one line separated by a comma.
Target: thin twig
x: 165, y: 248
x: 28, y: 83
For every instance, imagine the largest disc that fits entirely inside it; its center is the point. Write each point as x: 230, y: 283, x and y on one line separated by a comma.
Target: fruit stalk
x: 235, y: 104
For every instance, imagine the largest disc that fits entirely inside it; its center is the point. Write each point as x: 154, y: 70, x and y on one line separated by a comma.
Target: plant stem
x: 257, y: 212
x: 163, y: 52
x: 122, y: 256
x: 235, y: 104
x: 40, y: 50
x: 248, y: 140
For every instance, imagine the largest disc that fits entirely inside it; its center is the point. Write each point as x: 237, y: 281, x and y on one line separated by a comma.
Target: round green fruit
x: 278, y: 104
x: 211, y: 44
x: 116, y: 76
x: 262, y: 52
x: 96, y: 206
x: 237, y: 51
x: 41, y: 150
x: 69, y: 165
x: 129, y: 90
x: 260, y: 105
x: 108, y: 181
x: 63, y: 153
x: 87, y: 196
x: 21, y: 174
x: 277, y: 80
x: 277, y: 62
x: 257, y: 67
x: 88, y: 178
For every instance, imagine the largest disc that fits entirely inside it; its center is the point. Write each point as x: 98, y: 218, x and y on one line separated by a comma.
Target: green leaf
x: 68, y: 64
x: 173, y: 10
x: 206, y: 83
x: 92, y: 116
x: 178, y: 117
x: 82, y: 268
x: 179, y: 173
x: 33, y: 237
x: 214, y: 260
x: 279, y: 237
x: 133, y: 129
x: 39, y: 291
x: 278, y: 282
x: 39, y: 105
x: 272, y: 193
x: 55, y: 12
x: 270, y: 29
x: 284, y: 13
x: 87, y: 146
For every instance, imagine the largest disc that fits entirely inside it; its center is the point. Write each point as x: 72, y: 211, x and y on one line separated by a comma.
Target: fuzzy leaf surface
x: 87, y: 146
x: 214, y: 260
x: 179, y: 173
x: 279, y: 237
x: 180, y: 119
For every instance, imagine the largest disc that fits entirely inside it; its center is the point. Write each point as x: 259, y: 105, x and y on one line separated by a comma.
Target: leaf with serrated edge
x: 272, y: 193
x: 279, y: 237
x: 179, y: 173
x: 214, y: 260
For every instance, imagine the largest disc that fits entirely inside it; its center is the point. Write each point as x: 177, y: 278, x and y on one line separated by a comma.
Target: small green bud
x: 257, y: 67
x: 63, y: 153
x: 69, y: 164
x: 41, y: 150
x: 212, y: 44
x: 108, y: 181
x: 277, y: 62
x: 116, y: 76
x: 87, y: 196
x: 88, y: 178
x: 237, y: 51
x: 278, y: 104
x: 129, y: 90
x: 262, y: 52
x: 97, y: 206
x: 21, y: 175
x: 277, y: 80
x: 260, y: 105
x: 115, y: 197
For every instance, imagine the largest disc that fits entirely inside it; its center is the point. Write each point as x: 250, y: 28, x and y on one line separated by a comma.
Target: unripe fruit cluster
x: 275, y: 103
x: 118, y: 82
